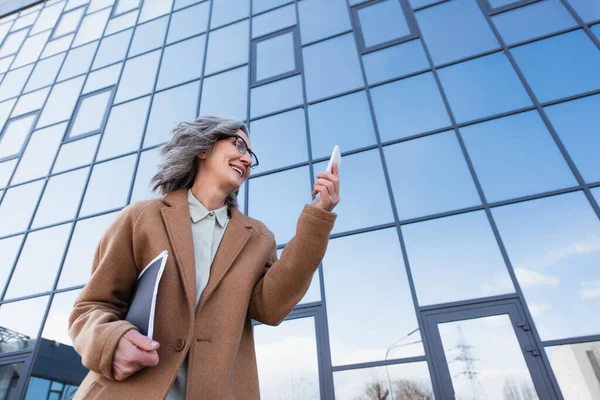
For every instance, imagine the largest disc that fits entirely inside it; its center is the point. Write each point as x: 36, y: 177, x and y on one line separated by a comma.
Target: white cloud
x: 528, y: 277
x: 501, y: 283
x: 586, y: 245
x: 538, y: 309
x: 590, y: 289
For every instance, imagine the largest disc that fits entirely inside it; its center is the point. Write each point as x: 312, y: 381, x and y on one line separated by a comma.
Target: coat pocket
x: 92, y: 392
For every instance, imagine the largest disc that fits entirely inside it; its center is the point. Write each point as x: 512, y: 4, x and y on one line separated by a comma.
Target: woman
x: 203, y: 347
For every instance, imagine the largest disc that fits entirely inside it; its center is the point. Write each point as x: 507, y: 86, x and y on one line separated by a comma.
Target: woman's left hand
x: 328, y: 185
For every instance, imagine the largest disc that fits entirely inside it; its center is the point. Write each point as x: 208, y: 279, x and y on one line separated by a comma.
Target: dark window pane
x: 226, y: 94
x: 138, y: 77
x: 576, y: 123
x: 226, y: 11
x: 9, y: 248
x: 468, y: 86
x: 560, y: 66
x: 147, y: 168
x: 587, y: 10
x: 45, y: 72
x: 61, y: 102
x: 430, y: 175
x: 61, y: 198
x: 169, y: 108
x: 148, y: 36
x: 532, y: 21
x: 516, y: 156
x: 13, y: 82
x: 321, y: 19
x: 25, y: 330
x: 78, y: 61
x: 382, y: 22
x: 112, y: 49
x: 408, y: 107
x: 279, y: 140
x: 275, y: 56
x: 553, y: 244
x: 14, y: 135
x: 396, y: 61
x: 188, y: 22
x: 331, y: 67
x: 276, y: 96
x: 454, y: 30
x: 460, y: 249
x: 89, y: 116
x: 345, y: 121
x: 39, y: 153
x: 227, y: 47
x: 263, y: 5
x: 76, y: 153
x: 385, y: 289
x: 579, y: 362
x: 273, y: 21
x: 181, y: 62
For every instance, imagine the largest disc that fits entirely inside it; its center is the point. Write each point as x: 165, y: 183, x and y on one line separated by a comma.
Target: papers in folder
x: 143, y: 300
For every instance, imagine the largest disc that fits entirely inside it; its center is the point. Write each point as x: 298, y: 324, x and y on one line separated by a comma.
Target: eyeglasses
x: 243, y: 148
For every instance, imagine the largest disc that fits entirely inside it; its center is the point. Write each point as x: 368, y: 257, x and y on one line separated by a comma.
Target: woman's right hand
x: 134, y: 352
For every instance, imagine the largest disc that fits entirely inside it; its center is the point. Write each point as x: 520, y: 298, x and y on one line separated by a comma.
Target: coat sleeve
x: 286, y: 281
x: 95, y: 324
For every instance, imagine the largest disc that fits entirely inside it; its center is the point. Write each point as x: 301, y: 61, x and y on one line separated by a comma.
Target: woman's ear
x: 202, y: 155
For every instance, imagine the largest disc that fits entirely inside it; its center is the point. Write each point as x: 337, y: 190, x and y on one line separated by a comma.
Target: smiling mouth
x: 236, y: 169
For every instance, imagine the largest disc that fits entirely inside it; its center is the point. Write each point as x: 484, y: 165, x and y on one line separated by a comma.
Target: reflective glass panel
x: 121, y: 22
x: 577, y: 123
x: 188, y: 22
x: 227, y: 47
x: 13, y: 42
x: 226, y: 11
x: 577, y: 369
x: 138, y: 77
x: 321, y: 19
x: 181, y: 62
x: 169, y: 108
x: 596, y: 30
x: 9, y: 248
x: 454, y: 30
x: 554, y: 247
x: 123, y: 6
x: 25, y: 329
x: 31, y: 50
x: 382, y: 22
x: 468, y: 86
x: 45, y: 72
x: 384, y: 288
x: 275, y: 20
x: 14, y: 135
x: 58, y: 45
x: 235, y: 84
x: 331, y: 67
x: 184, y: 3
x: 429, y: 175
x: 24, y: 20
x: 112, y: 49
x: 124, y: 128
x: 263, y: 5
x: 560, y: 66
x: 78, y: 61
x: 409, y: 107
x: 30, y: 102
x: 275, y: 56
x: 39, y: 153
x: 5, y: 110
x: 14, y: 81
x: 148, y: 36
x: 40, y: 258
x: 102, y: 78
x: 61, y: 102
x: 396, y: 61
x: 76, y: 153
x: 276, y: 96
x: 91, y: 27
x: 147, y: 168
x: 90, y: 114
x: 587, y: 10
x: 6, y: 170
x: 109, y: 185
x: 5, y: 63
x: 154, y: 8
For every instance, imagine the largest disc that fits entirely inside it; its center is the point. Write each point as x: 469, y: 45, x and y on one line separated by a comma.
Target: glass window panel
x: 112, y: 49
x: 13, y: 82
x: 560, y: 66
x: 68, y: 22
x: 454, y: 30
x: 121, y: 22
x: 5, y: 110
x: 294, y: 339
x: 39, y: 153
x: 126, y: 5
x: 596, y: 193
x: 5, y: 63
x: 409, y: 107
x: 77, y: 267
x: 382, y: 22
x: 27, y: 329
x: 320, y: 19
x: 533, y: 21
x: 47, y: 19
x: 75, y: 3
x: 31, y: 50
x: 587, y: 10
x: 45, y: 72
x: 76, y: 153
x: 179, y: 4
x: 235, y: 84
x: 385, y: 289
x: 78, y: 61
x: 9, y: 248
x: 401, y: 381
x: 282, y: 94
x: 275, y: 56
x: 188, y: 22
x: 468, y: 85
x: 41, y: 256
x: 17, y: 207
x: 96, y: 5
x: 396, y: 61
x: 273, y: 138
x: 138, y: 77
x: 331, y: 67
x: 458, y: 252
x: 181, y: 62
x: 109, y: 185
x: 273, y: 21
x: 345, y: 121
x: 154, y: 8
x: 149, y: 36
x: 516, y: 156
x: 280, y: 217
x: 226, y: 11
x: 92, y: 27
x: 61, y: 198
x: 576, y: 123
x: 227, y: 47
x: 4, y: 29
x: 169, y: 108
x: 577, y: 369
x: 429, y: 175
x: 102, y: 78
x: 57, y: 46
x: 90, y: 114
x: 501, y: 3
x: 13, y: 42
x: 147, y: 168
x: 61, y: 102
x: 554, y: 247
x: 124, y: 128
x: 30, y: 102
x: 14, y: 135
x: 24, y: 21
x: 6, y: 170
x: 357, y: 211
x: 259, y: 6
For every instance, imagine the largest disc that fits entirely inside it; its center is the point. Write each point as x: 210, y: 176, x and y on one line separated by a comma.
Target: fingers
x: 141, y: 341
x: 333, y: 176
x: 147, y: 358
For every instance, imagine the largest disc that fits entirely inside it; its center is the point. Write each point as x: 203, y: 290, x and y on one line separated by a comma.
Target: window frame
x: 297, y: 56
x: 67, y: 138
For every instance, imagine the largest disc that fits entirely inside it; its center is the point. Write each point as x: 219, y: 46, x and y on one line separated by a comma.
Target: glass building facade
x: 465, y: 261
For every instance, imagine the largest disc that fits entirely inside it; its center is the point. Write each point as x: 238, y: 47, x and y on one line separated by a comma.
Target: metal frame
x: 26, y: 359
x: 62, y: 14
x: 254, y: 56
x: 116, y: 5
x: 9, y: 121
x: 515, y: 4
x: 67, y: 138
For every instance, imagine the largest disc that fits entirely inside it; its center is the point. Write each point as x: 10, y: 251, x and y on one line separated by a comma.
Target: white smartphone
x: 336, y: 157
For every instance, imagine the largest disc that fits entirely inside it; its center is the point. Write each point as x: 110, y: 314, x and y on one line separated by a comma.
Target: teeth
x: 239, y: 171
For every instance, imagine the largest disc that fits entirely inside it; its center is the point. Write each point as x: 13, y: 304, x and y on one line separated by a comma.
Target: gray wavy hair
x: 179, y: 162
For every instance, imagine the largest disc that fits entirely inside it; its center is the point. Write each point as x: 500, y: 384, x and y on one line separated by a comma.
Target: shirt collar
x: 198, y: 211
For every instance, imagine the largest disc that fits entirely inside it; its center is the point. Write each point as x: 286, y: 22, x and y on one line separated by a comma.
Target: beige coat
x: 246, y: 281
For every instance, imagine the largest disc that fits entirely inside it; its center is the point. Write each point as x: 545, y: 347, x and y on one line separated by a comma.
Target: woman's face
x: 226, y: 165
